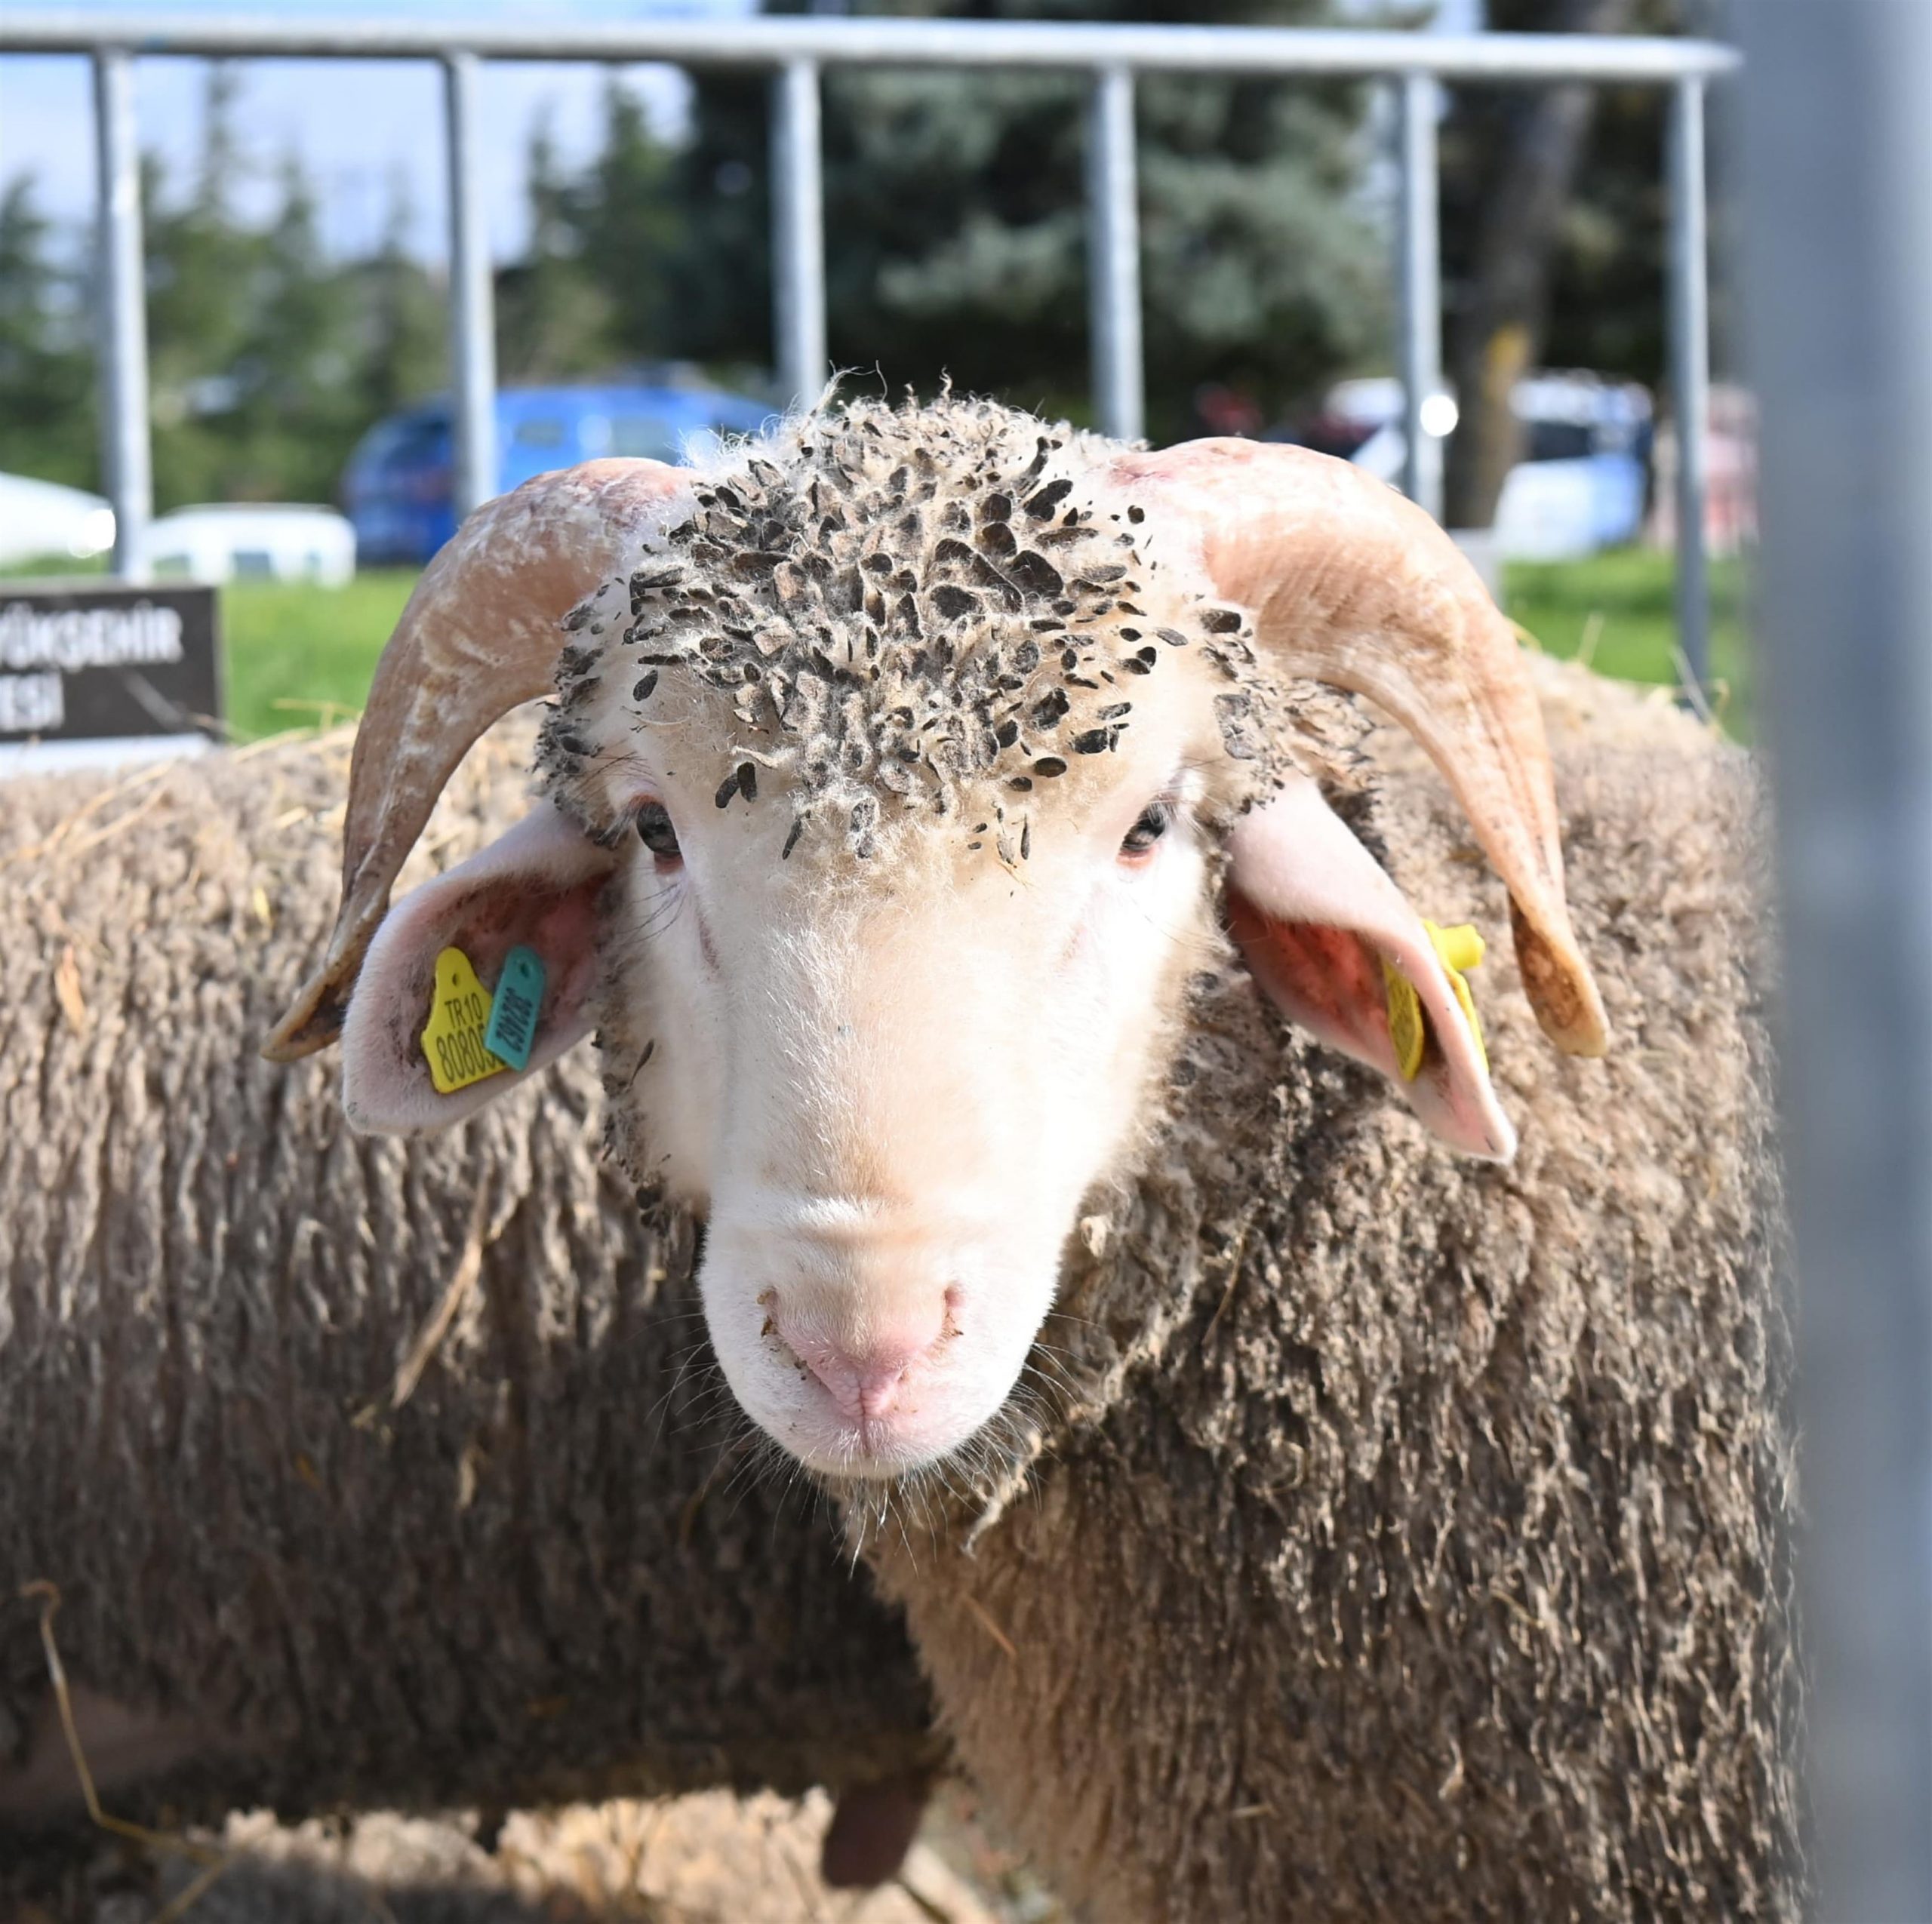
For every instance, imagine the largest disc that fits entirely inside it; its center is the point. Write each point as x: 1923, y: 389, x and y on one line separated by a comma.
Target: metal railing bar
x: 773, y: 41
x: 1113, y: 257
x: 797, y: 233
x: 1838, y: 189
x: 1419, y: 286
x: 1689, y: 321
x: 796, y: 49
x: 472, y: 310
x: 125, y: 458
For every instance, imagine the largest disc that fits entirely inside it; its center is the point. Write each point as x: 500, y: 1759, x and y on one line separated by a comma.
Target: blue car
x: 396, y: 487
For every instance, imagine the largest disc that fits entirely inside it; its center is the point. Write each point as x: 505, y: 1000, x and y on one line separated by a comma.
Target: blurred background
x: 296, y: 232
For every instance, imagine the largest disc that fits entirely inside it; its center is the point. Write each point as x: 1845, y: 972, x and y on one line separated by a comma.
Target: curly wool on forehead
x: 917, y: 608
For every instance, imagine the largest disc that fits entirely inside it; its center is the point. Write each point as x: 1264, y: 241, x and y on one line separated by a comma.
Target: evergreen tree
x: 552, y: 318
x: 296, y: 415
x: 47, y: 408
x: 204, y: 273
x: 598, y: 287
x: 721, y: 267
x: 628, y: 224
x: 1607, y: 293
x: 1553, y: 216
x: 402, y: 353
x: 268, y: 359
x: 955, y: 224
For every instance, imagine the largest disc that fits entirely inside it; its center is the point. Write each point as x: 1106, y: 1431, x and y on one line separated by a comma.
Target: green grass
x: 295, y: 654
x: 1615, y: 611
x: 47, y: 566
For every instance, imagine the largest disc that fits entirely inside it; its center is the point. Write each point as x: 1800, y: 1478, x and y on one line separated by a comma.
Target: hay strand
x: 213, y: 1862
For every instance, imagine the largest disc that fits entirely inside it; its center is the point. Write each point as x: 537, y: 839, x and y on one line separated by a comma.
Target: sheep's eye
x: 1156, y: 820
x: 655, y: 831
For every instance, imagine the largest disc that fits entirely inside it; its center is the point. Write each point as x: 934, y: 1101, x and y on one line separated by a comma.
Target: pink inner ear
x: 1326, y: 980
x: 1316, y: 915
x: 560, y: 926
x: 538, y: 887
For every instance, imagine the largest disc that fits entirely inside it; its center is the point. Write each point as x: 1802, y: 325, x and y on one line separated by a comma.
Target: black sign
x: 83, y: 661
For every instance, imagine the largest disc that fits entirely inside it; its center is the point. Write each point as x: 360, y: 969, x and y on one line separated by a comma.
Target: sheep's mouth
x: 955, y: 1492
x: 914, y: 1458
x: 907, y: 1447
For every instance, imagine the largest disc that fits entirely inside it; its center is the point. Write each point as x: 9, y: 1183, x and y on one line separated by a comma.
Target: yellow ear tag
x: 459, y: 1014
x: 1457, y: 949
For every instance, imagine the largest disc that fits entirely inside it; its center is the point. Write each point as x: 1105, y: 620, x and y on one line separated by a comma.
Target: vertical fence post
x: 1419, y: 283
x: 1691, y: 374
x: 1113, y: 257
x: 472, y: 317
x: 126, y: 458
x: 798, y: 232
x: 1839, y: 196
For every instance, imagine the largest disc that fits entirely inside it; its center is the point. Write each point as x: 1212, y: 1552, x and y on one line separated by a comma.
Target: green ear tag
x: 512, y: 1030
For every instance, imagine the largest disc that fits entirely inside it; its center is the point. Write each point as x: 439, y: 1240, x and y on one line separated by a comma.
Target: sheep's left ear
x: 430, y: 979
x: 1336, y: 947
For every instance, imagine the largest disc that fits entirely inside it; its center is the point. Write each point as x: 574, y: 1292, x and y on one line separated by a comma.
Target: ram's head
x: 903, y: 769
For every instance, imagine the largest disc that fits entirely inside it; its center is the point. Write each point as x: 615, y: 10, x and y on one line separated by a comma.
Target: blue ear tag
x: 519, y: 996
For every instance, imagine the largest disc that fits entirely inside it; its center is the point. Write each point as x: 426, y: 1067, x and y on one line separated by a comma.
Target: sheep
x: 1404, y: 1535
x: 708, y: 1858
x: 369, y: 1473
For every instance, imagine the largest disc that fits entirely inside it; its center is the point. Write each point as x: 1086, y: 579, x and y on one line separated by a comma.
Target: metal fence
x: 796, y: 51
x: 1837, y: 199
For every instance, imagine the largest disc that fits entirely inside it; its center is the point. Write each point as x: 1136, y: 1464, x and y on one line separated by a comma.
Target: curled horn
x: 1353, y: 585
x: 480, y: 634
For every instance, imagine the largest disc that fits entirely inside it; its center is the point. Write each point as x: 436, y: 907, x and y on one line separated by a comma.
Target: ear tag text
x: 1457, y: 949
x: 513, y: 1012
x: 453, y: 1043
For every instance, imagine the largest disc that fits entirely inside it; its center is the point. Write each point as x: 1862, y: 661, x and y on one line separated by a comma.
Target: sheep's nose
x: 866, y: 1381
x: 867, y: 1376
x: 864, y: 1387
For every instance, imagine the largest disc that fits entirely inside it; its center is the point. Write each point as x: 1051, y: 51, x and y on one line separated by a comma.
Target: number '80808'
x: 460, y: 1052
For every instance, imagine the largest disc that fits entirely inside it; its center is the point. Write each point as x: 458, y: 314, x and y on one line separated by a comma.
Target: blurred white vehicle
x: 253, y: 541
x: 41, y: 520
x: 1581, y: 484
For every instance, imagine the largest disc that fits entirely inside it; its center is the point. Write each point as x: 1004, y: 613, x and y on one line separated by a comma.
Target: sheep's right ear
x: 535, y: 888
